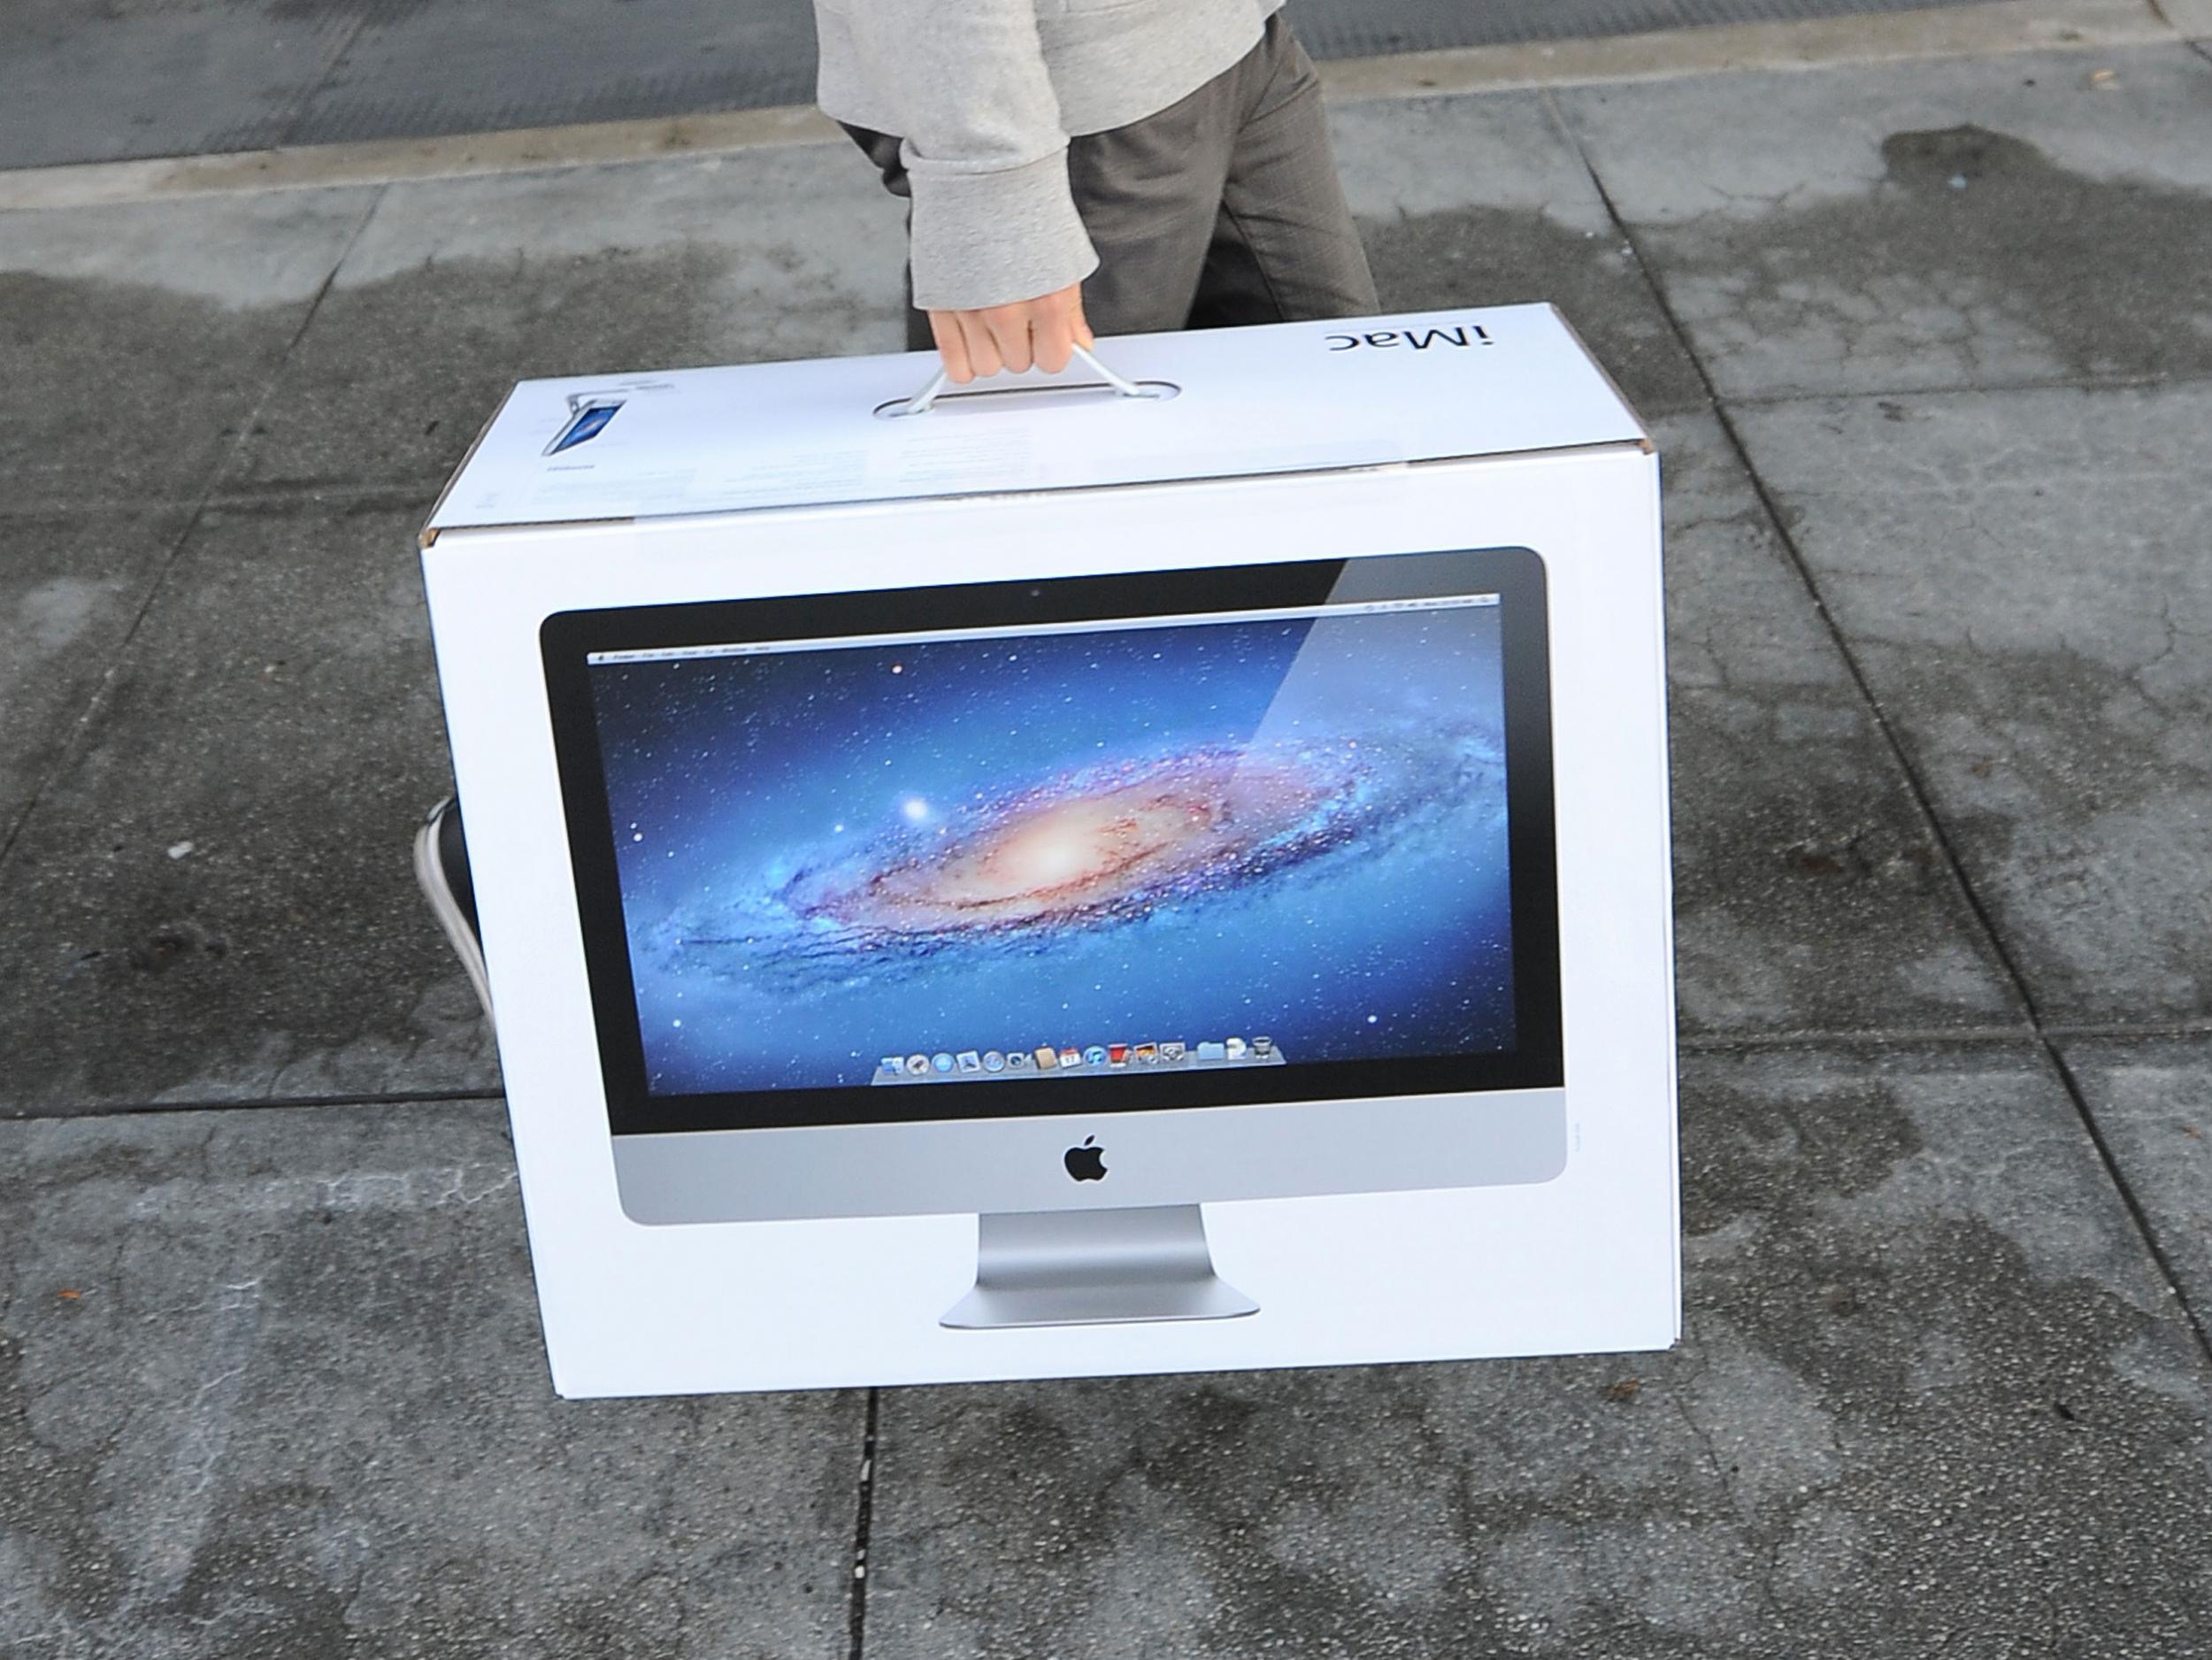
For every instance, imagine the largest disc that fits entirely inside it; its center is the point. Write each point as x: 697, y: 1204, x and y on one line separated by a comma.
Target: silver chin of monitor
x: 1127, y: 1244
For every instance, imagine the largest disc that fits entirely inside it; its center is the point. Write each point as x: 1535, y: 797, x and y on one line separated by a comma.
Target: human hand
x: 1043, y: 332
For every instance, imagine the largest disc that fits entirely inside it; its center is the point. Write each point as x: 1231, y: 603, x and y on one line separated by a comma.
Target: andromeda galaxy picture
x: 1160, y: 832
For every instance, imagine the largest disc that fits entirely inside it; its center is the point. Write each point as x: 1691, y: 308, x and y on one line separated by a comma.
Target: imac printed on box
x: 1070, y: 883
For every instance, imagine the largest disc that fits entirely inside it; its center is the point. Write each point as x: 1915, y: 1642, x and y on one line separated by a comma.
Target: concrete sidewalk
x: 1928, y: 347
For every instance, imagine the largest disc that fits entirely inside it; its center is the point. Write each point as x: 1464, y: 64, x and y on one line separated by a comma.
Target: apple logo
x: 1087, y: 1163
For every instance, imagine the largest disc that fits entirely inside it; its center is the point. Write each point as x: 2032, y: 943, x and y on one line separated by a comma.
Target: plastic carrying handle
x: 922, y: 401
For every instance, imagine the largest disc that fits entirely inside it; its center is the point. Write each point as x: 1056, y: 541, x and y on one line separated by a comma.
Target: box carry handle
x: 925, y: 400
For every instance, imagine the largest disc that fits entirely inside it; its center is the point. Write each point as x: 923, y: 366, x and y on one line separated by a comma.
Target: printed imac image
x: 960, y: 867
x: 588, y: 413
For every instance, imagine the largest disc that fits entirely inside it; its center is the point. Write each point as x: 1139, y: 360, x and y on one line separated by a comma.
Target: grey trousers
x: 1222, y: 209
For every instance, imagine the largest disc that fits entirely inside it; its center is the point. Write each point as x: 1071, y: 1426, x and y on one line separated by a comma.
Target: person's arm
x: 997, y: 248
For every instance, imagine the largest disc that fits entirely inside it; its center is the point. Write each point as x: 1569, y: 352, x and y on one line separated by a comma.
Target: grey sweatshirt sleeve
x: 964, y: 84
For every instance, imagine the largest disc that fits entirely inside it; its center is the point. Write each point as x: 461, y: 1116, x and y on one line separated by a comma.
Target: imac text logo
x: 1419, y: 339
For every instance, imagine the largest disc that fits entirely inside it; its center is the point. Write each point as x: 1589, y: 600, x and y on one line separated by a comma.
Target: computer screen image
x: 1066, y: 851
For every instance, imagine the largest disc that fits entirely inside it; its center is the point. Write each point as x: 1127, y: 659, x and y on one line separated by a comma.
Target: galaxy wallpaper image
x: 1129, y: 833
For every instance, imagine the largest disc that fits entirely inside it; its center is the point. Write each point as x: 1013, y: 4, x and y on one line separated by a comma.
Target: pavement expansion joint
x: 282, y: 1104
x: 1992, y: 388
x: 1960, y: 1040
x: 864, y: 1522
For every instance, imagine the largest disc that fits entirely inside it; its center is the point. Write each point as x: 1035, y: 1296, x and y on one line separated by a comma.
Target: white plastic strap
x: 921, y: 402
x: 1127, y: 389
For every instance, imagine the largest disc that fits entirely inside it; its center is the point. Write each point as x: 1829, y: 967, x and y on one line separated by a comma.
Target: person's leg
x: 442, y: 870
x: 1150, y: 194
x: 1284, y: 247
x: 1223, y: 209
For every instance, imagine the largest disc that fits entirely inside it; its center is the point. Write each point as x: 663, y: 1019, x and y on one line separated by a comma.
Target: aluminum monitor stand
x: 1095, y: 1268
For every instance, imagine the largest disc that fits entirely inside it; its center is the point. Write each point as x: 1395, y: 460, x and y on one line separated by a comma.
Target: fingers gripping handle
x: 922, y: 401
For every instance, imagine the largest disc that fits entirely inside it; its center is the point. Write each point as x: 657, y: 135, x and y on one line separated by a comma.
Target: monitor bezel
x: 1515, y: 575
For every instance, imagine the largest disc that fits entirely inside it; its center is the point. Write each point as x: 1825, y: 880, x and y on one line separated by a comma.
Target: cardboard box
x: 1477, y: 430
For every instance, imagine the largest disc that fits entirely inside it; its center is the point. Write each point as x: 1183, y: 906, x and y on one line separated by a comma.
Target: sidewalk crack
x: 1769, y: 1549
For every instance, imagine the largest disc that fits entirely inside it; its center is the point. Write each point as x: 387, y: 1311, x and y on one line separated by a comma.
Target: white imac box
x: 1071, y: 811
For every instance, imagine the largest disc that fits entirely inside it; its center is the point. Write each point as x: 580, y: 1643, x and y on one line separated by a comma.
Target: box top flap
x: 1287, y: 397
